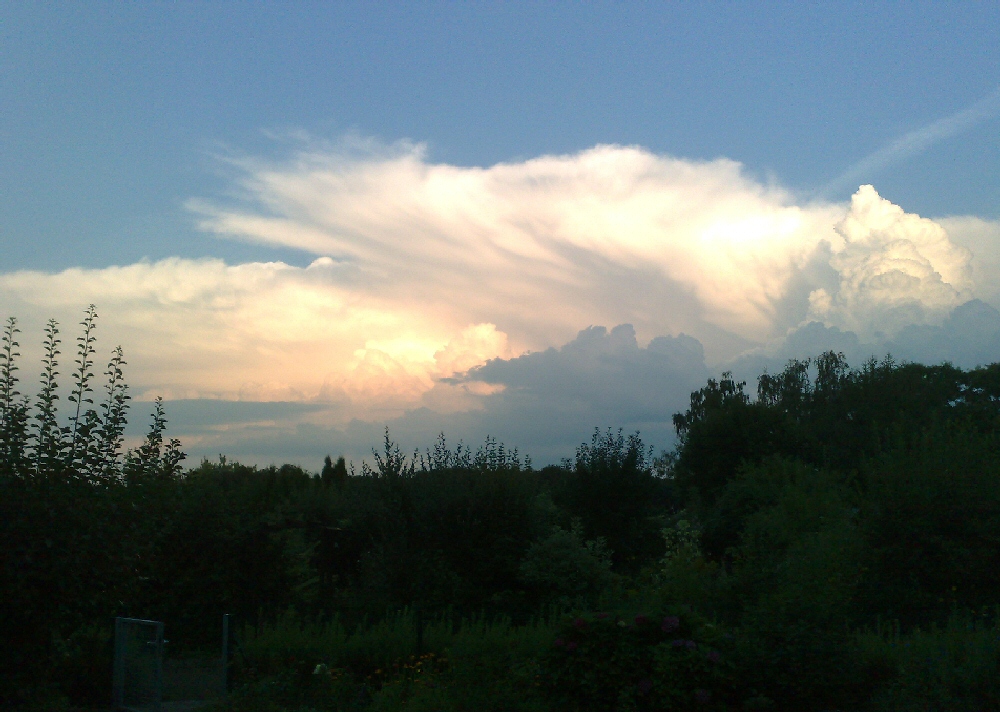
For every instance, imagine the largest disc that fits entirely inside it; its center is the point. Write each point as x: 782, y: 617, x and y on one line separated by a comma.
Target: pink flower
x: 713, y: 656
x: 641, y: 619
x: 571, y: 646
x: 690, y: 644
x: 670, y: 624
x: 602, y: 616
x: 560, y: 642
x: 580, y: 623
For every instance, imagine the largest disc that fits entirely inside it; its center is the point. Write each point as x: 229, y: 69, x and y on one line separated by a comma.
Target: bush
x: 297, y: 664
x: 328, y: 690
x: 667, y: 660
x: 565, y: 570
x: 931, y: 521
x: 953, y: 668
x: 613, y: 489
x: 685, y: 575
x: 490, y: 667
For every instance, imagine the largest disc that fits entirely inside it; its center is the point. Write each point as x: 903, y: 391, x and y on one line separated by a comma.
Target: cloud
x: 546, y: 403
x: 448, y: 297
x: 255, y: 332
x: 967, y: 337
x: 916, y: 142
x: 604, y: 373
x: 893, y: 269
x: 609, y: 235
x: 982, y: 239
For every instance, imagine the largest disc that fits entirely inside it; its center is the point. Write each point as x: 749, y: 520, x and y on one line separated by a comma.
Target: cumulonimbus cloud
x: 256, y: 331
x: 424, y: 271
x: 607, y: 235
x: 893, y: 269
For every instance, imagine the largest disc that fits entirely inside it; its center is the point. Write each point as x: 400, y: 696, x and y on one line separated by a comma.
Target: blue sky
x: 158, y: 130
x: 114, y: 111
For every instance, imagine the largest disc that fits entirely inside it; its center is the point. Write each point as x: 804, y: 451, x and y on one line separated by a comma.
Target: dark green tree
x: 155, y: 459
x: 722, y: 429
x: 334, y: 474
x: 613, y: 489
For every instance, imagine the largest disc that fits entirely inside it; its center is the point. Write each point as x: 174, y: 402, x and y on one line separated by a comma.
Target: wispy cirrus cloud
x: 914, y: 142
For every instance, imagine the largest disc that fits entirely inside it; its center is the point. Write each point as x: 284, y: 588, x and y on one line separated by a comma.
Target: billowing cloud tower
x: 893, y: 269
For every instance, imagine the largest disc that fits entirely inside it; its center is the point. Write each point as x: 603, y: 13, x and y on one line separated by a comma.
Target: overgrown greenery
x: 832, y: 544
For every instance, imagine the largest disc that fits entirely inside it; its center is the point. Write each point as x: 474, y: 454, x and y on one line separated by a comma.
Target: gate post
x: 138, y: 664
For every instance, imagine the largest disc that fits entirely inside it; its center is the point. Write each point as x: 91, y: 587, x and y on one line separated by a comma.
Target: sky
x: 306, y: 222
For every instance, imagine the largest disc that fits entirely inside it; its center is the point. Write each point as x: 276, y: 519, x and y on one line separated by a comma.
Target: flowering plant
x: 668, y: 660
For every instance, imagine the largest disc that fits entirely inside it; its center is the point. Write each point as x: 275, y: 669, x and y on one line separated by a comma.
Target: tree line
x: 783, y: 533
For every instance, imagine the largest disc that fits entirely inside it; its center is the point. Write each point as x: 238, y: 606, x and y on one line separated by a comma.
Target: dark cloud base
x: 552, y: 400
x: 968, y: 337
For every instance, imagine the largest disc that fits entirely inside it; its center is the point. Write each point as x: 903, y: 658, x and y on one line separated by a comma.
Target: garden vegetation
x: 832, y: 543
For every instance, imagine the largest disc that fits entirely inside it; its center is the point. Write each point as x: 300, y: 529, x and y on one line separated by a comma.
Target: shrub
x: 952, y: 668
x: 667, y: 660
x: 291, y: 663
x: 566, y: 570
x: 931, y: 521
x: 613, y: 489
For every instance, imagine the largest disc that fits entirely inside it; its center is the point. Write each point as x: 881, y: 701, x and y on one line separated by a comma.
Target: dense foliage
x: 832, y: 543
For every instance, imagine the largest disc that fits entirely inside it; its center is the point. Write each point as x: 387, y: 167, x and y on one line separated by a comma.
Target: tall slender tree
x: 13, y: 409
x: 48, y: 438
x: 82, y: 376
x: 155, y: 458
x: 114, y: 411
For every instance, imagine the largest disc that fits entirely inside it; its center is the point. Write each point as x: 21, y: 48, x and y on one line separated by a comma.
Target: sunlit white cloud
x: 436, y: 291
x: 608, y: 235
x: 893, y: 269
x: 255, y: 332
x: 982, y: 239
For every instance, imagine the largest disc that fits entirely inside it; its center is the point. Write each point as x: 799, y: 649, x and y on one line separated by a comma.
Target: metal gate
x: 138, y: 671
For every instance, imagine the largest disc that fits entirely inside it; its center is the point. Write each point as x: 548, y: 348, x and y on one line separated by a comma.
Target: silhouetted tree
x: 334, y: 474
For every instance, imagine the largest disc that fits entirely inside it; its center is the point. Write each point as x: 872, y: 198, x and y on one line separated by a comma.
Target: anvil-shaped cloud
x: 555, y: 242
x: 429, y: 279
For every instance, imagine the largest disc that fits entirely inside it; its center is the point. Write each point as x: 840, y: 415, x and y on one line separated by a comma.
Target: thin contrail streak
x: 914, y: 142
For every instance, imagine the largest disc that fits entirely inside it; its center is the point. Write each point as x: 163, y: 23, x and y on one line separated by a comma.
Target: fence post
x: 118, y: 683
x: 225, y: 654
x: 418, y: 611
x: 160, y: 642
